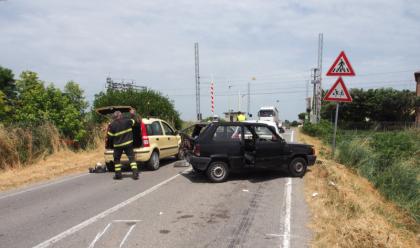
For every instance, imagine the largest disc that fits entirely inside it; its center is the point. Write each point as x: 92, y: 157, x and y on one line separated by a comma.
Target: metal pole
x: 335, y: 128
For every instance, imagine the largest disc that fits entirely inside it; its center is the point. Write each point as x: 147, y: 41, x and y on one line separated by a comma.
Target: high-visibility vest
x: 241, y: 117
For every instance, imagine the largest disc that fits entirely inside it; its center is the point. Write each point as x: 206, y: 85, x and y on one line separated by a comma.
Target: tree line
x: 371, y: 106
x: 27, y: 101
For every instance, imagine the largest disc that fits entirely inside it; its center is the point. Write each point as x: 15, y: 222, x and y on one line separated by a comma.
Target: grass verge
x: 347, y: 210
x: 61, y: 163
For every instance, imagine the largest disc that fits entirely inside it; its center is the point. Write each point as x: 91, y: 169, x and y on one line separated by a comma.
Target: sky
x: 271, y: 44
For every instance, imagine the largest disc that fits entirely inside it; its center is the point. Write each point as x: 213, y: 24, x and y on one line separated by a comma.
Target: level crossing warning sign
x: 341, y: 67
x: 338, y: 92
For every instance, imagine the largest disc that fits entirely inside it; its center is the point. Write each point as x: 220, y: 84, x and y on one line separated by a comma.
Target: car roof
x: 239, y: 124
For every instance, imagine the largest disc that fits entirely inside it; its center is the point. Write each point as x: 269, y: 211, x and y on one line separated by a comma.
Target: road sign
x: 341, y: 67
x: 338, y: 92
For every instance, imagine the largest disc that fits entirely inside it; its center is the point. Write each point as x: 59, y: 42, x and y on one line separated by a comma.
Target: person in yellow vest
x: 241, y: 117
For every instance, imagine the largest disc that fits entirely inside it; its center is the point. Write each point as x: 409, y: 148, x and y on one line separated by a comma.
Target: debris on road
x: 99, y: 168
x: 314, y: 194
x: 181, y: 163
x: 245, y: 190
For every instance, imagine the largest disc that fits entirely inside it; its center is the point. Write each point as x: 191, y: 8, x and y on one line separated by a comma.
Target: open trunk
x: 108, y: 111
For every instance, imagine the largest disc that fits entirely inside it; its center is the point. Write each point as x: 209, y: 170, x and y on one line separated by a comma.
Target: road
x: 171, y: 207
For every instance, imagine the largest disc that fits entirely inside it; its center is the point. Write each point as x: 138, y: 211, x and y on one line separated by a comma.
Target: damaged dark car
x: 220, y: 148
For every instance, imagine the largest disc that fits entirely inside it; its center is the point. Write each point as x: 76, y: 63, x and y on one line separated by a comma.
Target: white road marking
x: 126, y: 235
x: 287, y: 207
x: 42, y: 186
x: 126, y: 221
x: 99, y: 235
x: 105, y: 213
x: 288, y: 203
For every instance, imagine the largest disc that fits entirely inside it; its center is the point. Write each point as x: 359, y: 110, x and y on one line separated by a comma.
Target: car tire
x: 297, y: 167
x: 153, y: 162
x: 110, y: 166
x: 217, y: 171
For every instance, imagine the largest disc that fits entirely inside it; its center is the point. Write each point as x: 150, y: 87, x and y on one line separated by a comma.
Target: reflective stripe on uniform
x: 133, y: 165
x: 124, y: 144
x: 118, y: 165
x: 133, y: 122
x: 122, y: 132
x: 117, y: 169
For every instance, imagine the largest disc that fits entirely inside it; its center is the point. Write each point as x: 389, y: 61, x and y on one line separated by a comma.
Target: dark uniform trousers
x: 118, y: 151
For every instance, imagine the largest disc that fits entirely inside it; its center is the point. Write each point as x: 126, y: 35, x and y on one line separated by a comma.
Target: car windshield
x: 266, y: 113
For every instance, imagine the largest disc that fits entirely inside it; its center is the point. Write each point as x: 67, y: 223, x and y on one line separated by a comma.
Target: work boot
x: 135, y: 173
x: 118, y: 175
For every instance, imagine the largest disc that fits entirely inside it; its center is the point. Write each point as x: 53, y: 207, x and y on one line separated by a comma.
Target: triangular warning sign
x: 338, y: 92
x: 341, y: 67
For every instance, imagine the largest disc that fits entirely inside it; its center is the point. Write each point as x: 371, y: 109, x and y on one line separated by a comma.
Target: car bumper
x: 141, y: 155
x: 199, y: 163
x: 311, y: 159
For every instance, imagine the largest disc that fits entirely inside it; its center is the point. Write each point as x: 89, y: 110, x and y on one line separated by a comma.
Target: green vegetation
x: 390, y: 160
x: 37, y: 119
x: 147, y: 103
x: 372, y: 106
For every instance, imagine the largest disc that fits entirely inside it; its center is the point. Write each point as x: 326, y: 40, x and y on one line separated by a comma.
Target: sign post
x: 338, y: 92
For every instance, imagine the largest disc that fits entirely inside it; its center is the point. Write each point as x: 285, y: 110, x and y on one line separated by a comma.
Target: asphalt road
x: 171, y: 207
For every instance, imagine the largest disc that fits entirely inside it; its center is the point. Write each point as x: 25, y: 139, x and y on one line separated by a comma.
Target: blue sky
x: 152, y: 42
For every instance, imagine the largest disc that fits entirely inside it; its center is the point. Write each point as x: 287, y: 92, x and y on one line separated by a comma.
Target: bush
x: 24, y: 145
x: 324, y: 129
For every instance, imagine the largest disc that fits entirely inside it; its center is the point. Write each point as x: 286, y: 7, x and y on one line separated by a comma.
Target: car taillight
x: 144, y: 136
x: 197, y: 149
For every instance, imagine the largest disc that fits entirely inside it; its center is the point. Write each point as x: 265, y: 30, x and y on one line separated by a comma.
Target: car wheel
x: 297, y: 167
x: 217, y: 171
x: 110, y: 166
x: 153, y: 162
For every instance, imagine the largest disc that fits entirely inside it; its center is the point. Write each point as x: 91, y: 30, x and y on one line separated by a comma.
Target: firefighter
x: 241, y: 117
x: 121, y: 135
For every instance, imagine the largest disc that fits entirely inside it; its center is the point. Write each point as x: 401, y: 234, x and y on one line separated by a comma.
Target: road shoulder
x: 347, y: 211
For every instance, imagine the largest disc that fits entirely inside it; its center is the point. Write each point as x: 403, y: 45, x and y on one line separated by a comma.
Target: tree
x: 7, y: 83
x: 302, y: 116
x: 38, y: 104
x: 146, y: 102
x: 374, y: 105
x: 73, y: 91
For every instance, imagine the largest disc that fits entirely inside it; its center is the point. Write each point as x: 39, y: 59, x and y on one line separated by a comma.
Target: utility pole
x: 417, y: 77
x: 319, y: 77
x: 248, y: 109
x: 197, y: 83
x: 316, y: 81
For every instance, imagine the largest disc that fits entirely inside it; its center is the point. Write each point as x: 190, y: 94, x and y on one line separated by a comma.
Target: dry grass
x: 61, y: 163
x: 347, y: 211
x: 21, y: 146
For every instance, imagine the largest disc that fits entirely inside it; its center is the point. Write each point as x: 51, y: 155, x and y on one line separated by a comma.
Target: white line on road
x: 98, y: 236
x: 288, y: 203
x: 126, y: 221
x: 105, y: 213
x: 126, y: 235
x: 42, y: 186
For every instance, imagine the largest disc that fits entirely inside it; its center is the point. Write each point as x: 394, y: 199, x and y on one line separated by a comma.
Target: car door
x: 171, y: 141
x: 157, y: 138
x: 270, y: 148
x: 227, y: 143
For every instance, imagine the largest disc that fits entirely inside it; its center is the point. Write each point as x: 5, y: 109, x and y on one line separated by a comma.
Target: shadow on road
x: 253, y: 176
